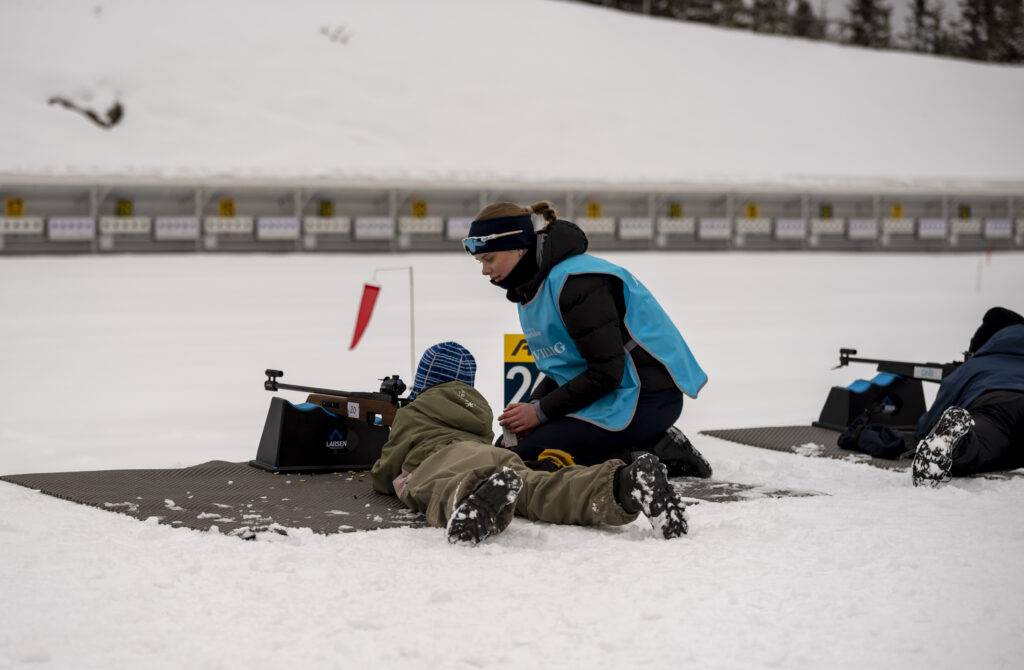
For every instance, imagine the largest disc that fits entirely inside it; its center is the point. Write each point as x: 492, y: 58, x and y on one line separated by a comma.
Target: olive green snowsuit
x: 440, y: 450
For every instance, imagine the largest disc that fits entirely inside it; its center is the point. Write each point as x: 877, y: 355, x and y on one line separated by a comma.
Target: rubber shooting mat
x: 236, y: 498
x: 816, y: 442
x: 244, y: 501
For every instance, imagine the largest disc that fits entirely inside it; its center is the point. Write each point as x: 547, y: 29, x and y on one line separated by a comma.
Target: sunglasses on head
x: 476, y: 244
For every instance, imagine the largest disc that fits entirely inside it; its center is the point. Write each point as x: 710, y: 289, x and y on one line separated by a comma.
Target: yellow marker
x: 516, y: 349
x: 896, y: 211
x: 124, y: 208
x: 752, y: 210
x: 325, y: 208
x: 593, y: 210
x: 675, y: 210
x: 226, y: 207
x: 419, y: 208
x: 15, y: 207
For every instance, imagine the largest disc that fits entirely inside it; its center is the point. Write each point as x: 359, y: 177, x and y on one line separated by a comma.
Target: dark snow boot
x: 933, y: 459
x: 474, y: 519
x: 680, y: 456
x: 643, y: 486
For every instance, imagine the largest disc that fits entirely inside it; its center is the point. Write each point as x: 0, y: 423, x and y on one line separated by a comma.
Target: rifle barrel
x: 930, y: 372
x: 272, y: 384
x: 309, y: 389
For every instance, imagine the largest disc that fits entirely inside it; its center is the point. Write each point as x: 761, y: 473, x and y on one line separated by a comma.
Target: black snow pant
x: 590, y: 444
x: 996, y: 442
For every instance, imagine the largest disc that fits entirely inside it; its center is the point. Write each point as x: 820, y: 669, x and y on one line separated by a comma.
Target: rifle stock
x: 354, y: 407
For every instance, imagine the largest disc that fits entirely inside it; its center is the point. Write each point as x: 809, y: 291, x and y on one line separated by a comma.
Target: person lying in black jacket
x: 976, y: 423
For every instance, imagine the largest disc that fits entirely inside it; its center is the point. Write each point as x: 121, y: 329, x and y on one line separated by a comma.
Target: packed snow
x: 139, y: 361
x: 156, y: 361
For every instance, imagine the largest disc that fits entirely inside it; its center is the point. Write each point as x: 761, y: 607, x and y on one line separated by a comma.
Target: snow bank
x: 498, y: 91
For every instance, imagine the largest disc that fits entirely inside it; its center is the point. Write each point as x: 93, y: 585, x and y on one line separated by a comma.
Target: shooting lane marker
x: 412, y: 313
x: 521, y: 372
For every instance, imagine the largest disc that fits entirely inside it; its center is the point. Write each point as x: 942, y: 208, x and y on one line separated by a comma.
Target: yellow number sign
x: 675, y: 210
x: 521, y: 373
x: 964, y: 210
x: 15, y: 207
x: 226, y: 207
x: 896, y: 211
x: 124, y: 207
x: 826, y: 210
x: 419, y: 208
x: 325, y: 209
x: 752, y: 210
x: 593, y: 210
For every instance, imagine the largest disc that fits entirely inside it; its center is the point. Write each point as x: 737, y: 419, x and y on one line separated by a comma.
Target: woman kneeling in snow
x: 439, y: 461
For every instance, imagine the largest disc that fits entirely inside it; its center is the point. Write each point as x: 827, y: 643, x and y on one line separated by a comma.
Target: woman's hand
x: 520, y: 418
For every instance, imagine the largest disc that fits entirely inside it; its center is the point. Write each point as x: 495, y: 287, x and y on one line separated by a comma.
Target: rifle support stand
x: 332, y: 431
x: 895, y: 402
x: 894, y: 396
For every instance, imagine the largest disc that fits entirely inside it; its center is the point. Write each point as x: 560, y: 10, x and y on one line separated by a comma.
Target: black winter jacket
x: 997, y: 366
x: 593, y: 309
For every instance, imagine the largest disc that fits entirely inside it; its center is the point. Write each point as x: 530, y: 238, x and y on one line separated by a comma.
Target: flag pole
x: 412, y: 312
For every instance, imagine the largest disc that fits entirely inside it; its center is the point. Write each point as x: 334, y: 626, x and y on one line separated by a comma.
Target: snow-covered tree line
x: 986, y: 30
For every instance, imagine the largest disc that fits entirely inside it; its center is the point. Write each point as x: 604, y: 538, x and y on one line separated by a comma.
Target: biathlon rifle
x: 384, y: 402
x: 929, y: 372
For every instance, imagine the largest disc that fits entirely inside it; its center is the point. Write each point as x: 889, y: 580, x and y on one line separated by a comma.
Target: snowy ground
x: 157, y: 361
x: 139, y: 361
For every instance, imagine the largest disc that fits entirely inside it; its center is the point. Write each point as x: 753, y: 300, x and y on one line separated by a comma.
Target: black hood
x: 558, y: 241
x: 993, y: 322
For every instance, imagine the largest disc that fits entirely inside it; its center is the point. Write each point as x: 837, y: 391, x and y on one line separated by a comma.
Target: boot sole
x: 657, y: 499
x: 933, y: 457
x: 473, y: 520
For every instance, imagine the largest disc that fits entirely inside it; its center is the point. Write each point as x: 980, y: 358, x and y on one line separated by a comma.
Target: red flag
x: 365, y: 310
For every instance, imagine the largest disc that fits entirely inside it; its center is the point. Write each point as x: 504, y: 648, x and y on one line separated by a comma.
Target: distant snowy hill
x: 469, y: 91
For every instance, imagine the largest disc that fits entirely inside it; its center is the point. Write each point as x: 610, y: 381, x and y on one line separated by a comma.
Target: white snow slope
x: 485, y: 91
x: 156, y: 361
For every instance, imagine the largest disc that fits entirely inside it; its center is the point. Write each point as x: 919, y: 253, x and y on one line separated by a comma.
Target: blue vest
x: 648, y: 324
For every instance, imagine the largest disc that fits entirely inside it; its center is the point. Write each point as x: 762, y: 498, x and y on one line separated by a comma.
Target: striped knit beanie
x: 444, y: 362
